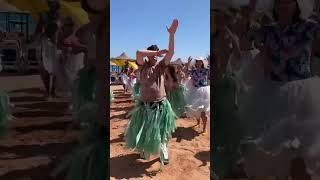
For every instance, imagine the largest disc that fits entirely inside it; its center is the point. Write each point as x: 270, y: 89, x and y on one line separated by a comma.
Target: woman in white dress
x: 198, y: 95
x: 50, y: 56
x: 124, y: 80
x: 65, y: 44
x: 91, y: 84
x: 132, y: 80
x: 281, y: 112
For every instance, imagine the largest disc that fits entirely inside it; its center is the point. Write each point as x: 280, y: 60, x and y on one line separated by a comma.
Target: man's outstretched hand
x: 173, y: 28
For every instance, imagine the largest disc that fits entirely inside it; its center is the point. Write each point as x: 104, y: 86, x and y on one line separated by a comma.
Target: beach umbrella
x: 6, y: 7
x: 112, y: 63
x: 133, y: 64
x: 123, y: 58
x: 116, y: 62
x: 121, y: 63
x: 74, y: 10
x: 68, y: 9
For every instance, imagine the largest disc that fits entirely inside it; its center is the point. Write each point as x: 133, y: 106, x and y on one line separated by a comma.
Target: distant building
x: 17, y: 22
x: 114, y: 68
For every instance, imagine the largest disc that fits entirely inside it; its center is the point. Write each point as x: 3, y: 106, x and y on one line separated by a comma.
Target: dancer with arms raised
x: 153, y: 120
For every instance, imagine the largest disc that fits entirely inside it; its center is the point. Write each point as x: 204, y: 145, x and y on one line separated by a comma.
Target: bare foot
x: 204, y: 133
x: 195, y: 127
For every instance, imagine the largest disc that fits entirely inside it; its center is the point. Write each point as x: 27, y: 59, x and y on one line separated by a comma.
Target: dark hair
x: 202, y: 63
x: 85, y: 6
x: 296, y: 16
x: 153, y: 48
x: 51, y: 29
x: 173, y: 74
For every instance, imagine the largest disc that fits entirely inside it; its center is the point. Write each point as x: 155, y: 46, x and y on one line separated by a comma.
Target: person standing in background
x: 46, y: 18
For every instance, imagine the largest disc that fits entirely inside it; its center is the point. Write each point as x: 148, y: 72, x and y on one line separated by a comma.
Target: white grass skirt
x: 131, y: 83
x: 285, y: 119
x: 197, y: 100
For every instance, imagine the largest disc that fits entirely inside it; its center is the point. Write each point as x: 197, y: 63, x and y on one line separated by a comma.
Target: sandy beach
x: 40, y: 134
x: 189, y: 151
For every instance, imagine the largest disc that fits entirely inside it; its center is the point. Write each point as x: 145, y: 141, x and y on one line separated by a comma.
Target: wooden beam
x: 103, y: 54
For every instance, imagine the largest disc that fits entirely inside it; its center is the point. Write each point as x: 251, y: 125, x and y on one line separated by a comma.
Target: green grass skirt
x: 136, y: 90
x: 5, y: 113
x: 177, y: 101
x: 84, y: 94
x: 227, y: 131
x: 90, y: 160
x: 150, y: 126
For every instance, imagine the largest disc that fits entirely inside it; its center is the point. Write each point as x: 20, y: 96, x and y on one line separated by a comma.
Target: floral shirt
x: 289, y: 48
x: 200, y: 76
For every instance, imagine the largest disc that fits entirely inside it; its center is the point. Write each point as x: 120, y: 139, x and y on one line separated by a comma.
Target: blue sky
x: 136, y: 24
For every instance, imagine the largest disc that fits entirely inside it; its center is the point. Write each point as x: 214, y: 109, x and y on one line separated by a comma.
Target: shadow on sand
x: 36, y: 114
x: 55, y: 151
x: 119, y: 139
x: 28, y: 91
x: 122, y: 116
x: 47, y: 106
x: 123, y: 101
x: 26, y: 99
x: 127, y: 166
x: 128, y: 108
x: 42, y: 109
x: 183, y: 133
x: 204, y: 157
x: 64, y: 125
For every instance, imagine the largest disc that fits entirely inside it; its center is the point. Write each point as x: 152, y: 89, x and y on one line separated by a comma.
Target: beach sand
x: 40, y: 135
x: 189, y: 152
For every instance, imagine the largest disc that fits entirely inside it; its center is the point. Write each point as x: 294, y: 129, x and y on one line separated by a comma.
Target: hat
x: 204, y: 61
x: 199, y: 58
